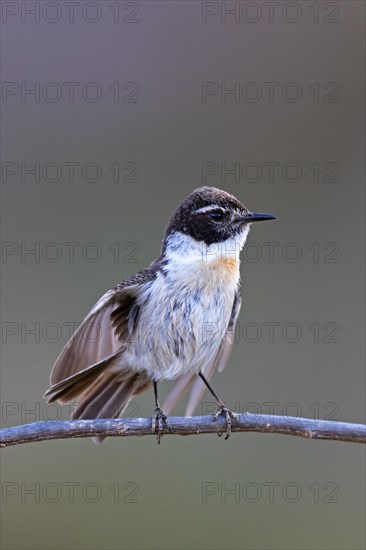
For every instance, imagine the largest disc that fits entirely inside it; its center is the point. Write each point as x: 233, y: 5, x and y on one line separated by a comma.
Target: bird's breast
x: 184, y: 314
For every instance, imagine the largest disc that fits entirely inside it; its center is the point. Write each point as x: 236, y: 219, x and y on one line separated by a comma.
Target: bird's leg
x: 159, y: 418
x: 222, y: 410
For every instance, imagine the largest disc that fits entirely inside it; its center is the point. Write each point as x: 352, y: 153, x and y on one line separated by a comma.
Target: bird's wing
x: 219, y: 362
x: 105, y: 330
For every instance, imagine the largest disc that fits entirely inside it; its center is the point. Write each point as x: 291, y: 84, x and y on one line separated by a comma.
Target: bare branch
x: 191, y: 425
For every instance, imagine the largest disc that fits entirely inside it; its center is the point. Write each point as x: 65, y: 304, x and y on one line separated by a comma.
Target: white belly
x: 184, y: 315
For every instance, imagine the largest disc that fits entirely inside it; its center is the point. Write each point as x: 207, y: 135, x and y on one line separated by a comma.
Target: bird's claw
x: 158, y: 421
x: 229, y: 415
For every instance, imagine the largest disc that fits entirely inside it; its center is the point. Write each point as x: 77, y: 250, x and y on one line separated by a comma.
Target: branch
x: 180, y: 425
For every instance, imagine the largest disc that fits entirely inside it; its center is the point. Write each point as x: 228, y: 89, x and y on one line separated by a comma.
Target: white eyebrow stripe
x: 208, y: 208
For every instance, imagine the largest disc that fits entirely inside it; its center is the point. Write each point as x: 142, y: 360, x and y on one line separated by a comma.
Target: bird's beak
x: 256, y: 217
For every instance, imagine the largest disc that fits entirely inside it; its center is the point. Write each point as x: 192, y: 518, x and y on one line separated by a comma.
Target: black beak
x: 257, y: 217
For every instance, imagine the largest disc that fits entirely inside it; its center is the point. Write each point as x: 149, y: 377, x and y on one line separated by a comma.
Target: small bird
x: 174, y: 320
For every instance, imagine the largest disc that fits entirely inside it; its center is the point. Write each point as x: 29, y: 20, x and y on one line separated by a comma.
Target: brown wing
x: 91, y: 366
x: 105, y: 329
x: 219, y: 362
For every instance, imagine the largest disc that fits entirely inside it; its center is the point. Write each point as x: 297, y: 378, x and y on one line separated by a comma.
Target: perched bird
x: 171, y: 321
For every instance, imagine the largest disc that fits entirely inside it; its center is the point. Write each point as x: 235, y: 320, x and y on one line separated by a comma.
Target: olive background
x: 165, y: 133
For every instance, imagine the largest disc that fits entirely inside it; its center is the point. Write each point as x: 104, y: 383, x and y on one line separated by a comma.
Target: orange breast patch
x: 230, y: 265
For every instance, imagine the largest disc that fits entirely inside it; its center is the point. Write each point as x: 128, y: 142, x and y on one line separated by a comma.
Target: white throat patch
x: 183, y: 249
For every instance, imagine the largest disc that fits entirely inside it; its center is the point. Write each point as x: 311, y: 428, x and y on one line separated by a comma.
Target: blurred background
x: 112, y: 113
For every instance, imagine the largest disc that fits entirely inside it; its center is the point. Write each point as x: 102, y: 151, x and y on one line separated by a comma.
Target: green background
x: 169, y: 52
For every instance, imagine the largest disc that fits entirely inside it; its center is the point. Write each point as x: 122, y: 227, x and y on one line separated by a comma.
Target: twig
x: 191, y: 425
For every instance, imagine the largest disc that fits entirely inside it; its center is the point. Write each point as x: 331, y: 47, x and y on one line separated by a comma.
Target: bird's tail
x: 103, y: 392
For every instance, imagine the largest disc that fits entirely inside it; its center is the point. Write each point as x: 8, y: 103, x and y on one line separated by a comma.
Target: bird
x: 174, y: 320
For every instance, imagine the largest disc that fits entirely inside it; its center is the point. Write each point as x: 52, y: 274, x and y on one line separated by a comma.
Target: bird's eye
x: 217, y: 215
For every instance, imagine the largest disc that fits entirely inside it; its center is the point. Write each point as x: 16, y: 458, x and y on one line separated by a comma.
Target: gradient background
x: 169, y: 133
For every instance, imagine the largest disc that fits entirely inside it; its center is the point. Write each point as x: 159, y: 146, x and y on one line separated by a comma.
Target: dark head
x: 212, y: 216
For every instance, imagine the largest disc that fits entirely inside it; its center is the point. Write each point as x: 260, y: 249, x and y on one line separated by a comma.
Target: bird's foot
x: 158, y: 421
x: 229, y: 416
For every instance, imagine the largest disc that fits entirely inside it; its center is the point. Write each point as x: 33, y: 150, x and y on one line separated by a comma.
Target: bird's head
x: 212, y: 216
